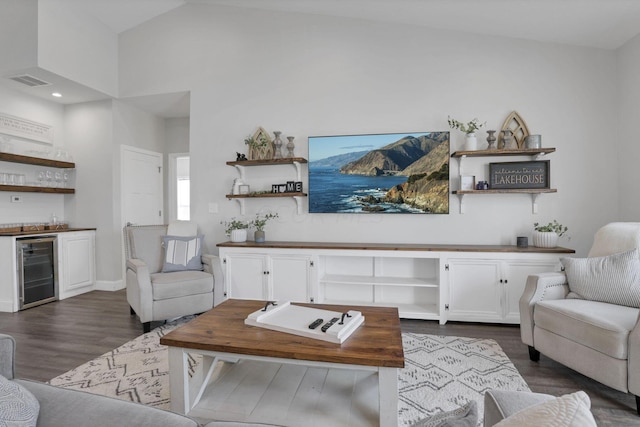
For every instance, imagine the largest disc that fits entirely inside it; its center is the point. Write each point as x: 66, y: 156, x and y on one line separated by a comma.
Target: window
x: 183, y: 185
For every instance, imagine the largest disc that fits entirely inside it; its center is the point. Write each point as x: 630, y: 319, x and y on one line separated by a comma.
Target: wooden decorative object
x: 518, y: 127
x: 261, y: 153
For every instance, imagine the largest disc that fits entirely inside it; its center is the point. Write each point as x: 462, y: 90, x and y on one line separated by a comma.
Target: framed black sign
x: 519, y: 175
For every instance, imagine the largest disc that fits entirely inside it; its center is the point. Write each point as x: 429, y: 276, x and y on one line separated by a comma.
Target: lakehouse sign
x: 519, y: 175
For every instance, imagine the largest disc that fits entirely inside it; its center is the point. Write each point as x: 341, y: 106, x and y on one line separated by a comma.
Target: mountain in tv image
x: 398, y: 173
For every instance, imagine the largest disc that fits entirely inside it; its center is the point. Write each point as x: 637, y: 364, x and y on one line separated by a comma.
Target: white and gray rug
x: 441, y: 373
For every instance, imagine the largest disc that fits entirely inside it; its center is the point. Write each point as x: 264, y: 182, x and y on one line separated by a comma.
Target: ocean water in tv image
x: 336, y: 192
x: 379, y: 173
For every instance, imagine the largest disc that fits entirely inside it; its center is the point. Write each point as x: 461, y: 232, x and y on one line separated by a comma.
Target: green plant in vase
x: 236, y: 229
x: 546, y: 236
x: 259, y: 223
x: 469, y: 128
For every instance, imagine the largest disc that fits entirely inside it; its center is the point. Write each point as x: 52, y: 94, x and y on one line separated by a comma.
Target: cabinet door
x: 78, y: 263
x: 290, y: 278
x: 245, y: 276
x: 474, y: 290
x: 516, y: 273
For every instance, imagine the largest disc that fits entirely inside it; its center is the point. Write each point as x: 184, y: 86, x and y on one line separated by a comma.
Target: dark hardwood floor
x: 56, y: 337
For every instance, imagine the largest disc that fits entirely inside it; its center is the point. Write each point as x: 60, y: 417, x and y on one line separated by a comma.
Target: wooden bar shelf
x: 27, y: 160
x: 32, y: 189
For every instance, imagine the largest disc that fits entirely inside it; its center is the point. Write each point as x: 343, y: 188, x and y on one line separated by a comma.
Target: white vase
x: 545, y: 239
x: 471, y: 142
x: 239, y: 235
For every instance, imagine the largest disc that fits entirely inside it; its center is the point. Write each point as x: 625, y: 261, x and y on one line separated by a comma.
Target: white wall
x: 312, y: 75
x: 77, y: 46
x: 628, y: 60
x: 89, y: 136
x: 19, y: 35
x: 35, y: 207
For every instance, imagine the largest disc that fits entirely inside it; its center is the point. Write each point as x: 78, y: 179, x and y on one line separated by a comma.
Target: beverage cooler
x: 37, y: 276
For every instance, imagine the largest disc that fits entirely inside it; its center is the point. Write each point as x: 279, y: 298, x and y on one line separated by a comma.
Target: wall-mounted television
x: 379, y: 173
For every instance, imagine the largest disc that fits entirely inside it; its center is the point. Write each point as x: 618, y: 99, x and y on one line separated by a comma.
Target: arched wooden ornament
x: 518, y: 127
x: 261, y: 153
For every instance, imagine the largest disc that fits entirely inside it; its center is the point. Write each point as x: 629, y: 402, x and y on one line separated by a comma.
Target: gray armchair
x: 598, y: 339
x: 155, y: 295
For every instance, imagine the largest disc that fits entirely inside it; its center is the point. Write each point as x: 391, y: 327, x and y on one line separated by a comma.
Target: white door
x: 142, y: 197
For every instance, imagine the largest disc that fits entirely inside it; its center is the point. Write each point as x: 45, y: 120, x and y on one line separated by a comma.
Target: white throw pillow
x: 18, y: 407
x: 570, y: 410
x: 182, y: 253
x: 614, y: 279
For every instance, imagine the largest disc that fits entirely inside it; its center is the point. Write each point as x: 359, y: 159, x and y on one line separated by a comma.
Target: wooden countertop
x: 42, y: 232
x: 395, y: 247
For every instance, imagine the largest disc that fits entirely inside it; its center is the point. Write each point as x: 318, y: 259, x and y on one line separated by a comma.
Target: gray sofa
x: 61, y: 407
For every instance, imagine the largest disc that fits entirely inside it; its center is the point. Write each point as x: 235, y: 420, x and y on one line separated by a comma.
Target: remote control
x: 316, y: 323
x: 327, y: 325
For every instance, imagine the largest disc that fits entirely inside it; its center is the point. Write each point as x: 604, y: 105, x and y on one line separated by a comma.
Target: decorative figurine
x: 240, y: 157
x: 491, y: 139
x: 290, y: 147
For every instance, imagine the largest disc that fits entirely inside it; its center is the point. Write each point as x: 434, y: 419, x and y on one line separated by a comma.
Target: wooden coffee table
x: 276, y: 377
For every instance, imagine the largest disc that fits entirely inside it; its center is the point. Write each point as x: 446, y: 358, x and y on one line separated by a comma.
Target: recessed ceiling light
x: 57, y: 94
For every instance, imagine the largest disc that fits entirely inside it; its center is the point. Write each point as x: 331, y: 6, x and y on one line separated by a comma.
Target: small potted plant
x: 546, y: 236
x: 259, y: 223
x: 469, y: 129
x: 236, y: 229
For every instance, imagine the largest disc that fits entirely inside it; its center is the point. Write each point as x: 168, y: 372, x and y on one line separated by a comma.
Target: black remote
x: 327, y: 325
x: 316, y: 323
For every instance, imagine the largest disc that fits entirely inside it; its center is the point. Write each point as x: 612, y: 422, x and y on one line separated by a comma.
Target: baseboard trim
x: 109, y: 285
x: 6, y: 307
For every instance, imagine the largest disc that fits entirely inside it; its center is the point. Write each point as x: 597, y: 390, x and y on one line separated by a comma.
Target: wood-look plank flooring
x: 56, y: 337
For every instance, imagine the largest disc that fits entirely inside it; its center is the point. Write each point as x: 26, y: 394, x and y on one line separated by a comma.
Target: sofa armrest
x: 7, y: 356
x: 66, y: 407
x: 634, y: 359
x: 139, y: 290
x: 212, y: 265
x: 539, y: 287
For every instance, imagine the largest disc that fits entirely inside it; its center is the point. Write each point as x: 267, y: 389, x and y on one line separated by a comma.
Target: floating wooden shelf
x: 31, y: 189
x: 519, y: 152
x: 240, y: 165
x: 256, y: 195
x: 285, y: 161
x: 509, y: 191
x: 17, y: 158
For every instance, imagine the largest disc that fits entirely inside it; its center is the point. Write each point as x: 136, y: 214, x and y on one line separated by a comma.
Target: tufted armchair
x: 587, y: 317
x: 159, y: 287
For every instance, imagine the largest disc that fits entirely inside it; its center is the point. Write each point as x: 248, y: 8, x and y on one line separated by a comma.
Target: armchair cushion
x: 180, y: 284
x: 18, y: 407
x: 613, y: 279
x: 182, y: 253
x: 597, y: 325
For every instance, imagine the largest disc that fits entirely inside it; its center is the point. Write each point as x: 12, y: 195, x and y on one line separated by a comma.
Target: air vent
x: 28, y: 80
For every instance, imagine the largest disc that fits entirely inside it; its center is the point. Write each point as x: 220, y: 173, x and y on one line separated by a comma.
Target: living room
x: 308, y: 74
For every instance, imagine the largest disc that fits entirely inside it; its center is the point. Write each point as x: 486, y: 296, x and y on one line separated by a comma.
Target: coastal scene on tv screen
x: 379, y: 173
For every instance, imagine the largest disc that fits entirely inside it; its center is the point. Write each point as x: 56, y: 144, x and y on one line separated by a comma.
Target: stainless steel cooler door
x: 37, y: 271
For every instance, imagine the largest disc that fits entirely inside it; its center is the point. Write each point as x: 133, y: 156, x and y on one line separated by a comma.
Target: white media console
x: 478, y: 283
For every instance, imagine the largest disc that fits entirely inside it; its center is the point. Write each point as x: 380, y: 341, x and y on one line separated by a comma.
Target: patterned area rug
x: 441, y: 373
